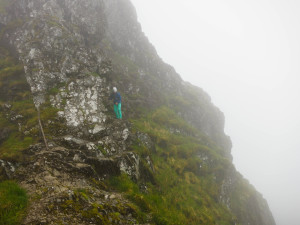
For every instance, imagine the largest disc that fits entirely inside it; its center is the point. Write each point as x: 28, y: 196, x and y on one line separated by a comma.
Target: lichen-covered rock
x: 130, y: 164
x: 146, y: 141
x: 7, y: 170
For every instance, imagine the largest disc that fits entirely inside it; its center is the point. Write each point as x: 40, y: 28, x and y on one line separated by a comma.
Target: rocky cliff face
x: 63, y: 57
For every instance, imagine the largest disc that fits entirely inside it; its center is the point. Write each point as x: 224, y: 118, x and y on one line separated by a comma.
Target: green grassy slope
x: 186, y: 188
x: 17, y: 110
x: 13, y: 203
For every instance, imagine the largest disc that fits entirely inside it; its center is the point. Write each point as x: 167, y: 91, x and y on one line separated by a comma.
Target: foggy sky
x: 246, y: 56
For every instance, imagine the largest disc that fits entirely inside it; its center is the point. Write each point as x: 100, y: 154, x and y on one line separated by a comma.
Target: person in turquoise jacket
x: 116, y: 97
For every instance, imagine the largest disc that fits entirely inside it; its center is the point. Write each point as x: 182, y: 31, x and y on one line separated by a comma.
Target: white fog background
x: 246, y: 56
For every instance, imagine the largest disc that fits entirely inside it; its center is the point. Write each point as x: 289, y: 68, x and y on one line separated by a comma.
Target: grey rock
x: 7, y: 170
x: 146, y: 141
x: 129, y: 163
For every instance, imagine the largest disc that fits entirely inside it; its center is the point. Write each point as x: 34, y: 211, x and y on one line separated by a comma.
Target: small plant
x: 94, y: 74
x: 83, y: 193
x: 57, y: 89
x: 102, y: 150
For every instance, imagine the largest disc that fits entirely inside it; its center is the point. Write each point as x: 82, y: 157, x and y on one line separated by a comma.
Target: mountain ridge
x: 73, y: 53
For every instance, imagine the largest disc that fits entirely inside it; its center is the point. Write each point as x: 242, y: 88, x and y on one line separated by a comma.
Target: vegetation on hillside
x: 187, y: 187
x: 18, y: 115
x: 16, y: 107
x: 13, y: 203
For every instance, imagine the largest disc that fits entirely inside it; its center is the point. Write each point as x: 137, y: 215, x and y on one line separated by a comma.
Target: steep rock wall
x: 58, y: 41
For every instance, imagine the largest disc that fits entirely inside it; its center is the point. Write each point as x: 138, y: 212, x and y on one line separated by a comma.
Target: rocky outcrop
x: 65, y: 186
x: 79, y: 49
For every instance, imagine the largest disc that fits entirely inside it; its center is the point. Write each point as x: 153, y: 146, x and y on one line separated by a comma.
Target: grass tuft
x: 13, y: 203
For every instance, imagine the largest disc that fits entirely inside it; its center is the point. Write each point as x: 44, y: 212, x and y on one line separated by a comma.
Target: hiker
x: 116, y: 97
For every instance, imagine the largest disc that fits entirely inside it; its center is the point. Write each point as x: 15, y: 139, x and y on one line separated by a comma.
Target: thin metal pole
x: 41, y: 127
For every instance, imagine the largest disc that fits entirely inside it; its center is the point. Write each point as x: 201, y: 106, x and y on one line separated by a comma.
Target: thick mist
x: 246, y: 55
